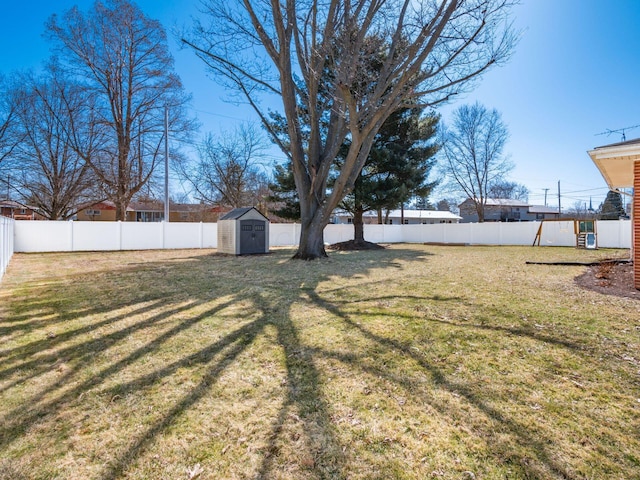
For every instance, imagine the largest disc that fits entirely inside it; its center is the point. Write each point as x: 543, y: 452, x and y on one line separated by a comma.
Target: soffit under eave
x: 616, y: 166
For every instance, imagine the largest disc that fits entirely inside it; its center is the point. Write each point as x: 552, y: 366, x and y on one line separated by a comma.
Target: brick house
x: 151, y: 212
x: 619, y: 164
x: 17, y: 211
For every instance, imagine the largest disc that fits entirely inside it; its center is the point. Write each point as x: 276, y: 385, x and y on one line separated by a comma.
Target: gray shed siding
x: 233, y: 240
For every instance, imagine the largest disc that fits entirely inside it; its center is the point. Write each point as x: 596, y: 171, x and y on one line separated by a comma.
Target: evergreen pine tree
x: 612, y: 208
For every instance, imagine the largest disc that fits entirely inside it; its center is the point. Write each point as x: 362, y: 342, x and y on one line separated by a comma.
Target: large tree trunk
x: 358, y: 226
x: 121, y: 211
x: 121, y: 202
x: 312, y: 239
x: 480, y: 211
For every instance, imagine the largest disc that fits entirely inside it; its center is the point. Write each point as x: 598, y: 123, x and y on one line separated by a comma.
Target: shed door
x: 252, y: 236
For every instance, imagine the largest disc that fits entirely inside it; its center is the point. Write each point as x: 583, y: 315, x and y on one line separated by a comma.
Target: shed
x: 243, y: 231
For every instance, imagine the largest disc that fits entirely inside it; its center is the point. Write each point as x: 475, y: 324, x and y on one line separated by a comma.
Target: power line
x: 589, y: 190
x: 219, y: 115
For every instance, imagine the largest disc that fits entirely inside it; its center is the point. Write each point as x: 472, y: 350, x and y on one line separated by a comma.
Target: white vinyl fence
x: 6, y: 243
x: 45, y: 236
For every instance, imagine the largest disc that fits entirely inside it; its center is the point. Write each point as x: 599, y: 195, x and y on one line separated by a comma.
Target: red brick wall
x: 636, y: 223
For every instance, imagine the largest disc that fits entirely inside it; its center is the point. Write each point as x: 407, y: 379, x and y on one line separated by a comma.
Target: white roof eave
x: 616, y: 164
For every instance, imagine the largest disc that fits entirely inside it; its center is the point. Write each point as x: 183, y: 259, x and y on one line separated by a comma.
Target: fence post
x: 70, y: 223
x: 7, y: 226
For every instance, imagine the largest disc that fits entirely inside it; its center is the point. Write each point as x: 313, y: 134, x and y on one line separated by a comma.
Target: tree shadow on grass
x: 540, y: 446
x: 236, y: 303
x: 29, y: 356
x: 33, y: 363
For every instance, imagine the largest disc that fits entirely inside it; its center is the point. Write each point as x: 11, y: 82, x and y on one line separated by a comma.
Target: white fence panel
x: 141, y: 235
x: 458, y: 233
x: 30, y: 236
x: 92, y: 236
x: 392, y: 233
x: 182, y: 235
x: 486, y: 234
x: 284, y: 234
x: 521, y: 233
x: 614, y: 233
x: 415, y: 233
x: 434, y: 233
x: 209, y: 235
x: 373, y: 233
x: 338, y: 233
x: 7, y: 226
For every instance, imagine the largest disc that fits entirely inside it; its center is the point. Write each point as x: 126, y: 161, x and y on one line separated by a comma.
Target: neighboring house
x: 411, y: 217
x: 543, y: 213
x: 103, y: 211
x: 17, y: 211
x: 151, y: 212
x: 506, y: 210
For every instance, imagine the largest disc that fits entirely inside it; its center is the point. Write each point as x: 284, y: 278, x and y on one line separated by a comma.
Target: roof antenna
x: 608, y: 132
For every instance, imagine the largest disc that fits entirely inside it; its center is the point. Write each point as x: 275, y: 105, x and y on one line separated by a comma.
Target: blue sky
x: 574, y: 74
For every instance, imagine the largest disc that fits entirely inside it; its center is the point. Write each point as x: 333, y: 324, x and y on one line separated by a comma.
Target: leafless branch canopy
x: 122, y: 58
x: 472, y: 149
x: 229, y: 169
x: 314, y: 52
x: 52, y: 118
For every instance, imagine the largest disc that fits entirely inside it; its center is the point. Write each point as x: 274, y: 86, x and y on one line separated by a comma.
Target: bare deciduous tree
x: 52, y: 114
x: 8, y: 138
x: 506, y: 189
x: 579, y: 210
x: 432, y: 51
x: 472, y: 153
x: 123, y: 58
x: 228, y: 171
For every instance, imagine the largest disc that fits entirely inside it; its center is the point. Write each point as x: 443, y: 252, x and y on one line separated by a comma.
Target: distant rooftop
x: 503, y: 202
x: 542, y: 209
x: 420, y: 214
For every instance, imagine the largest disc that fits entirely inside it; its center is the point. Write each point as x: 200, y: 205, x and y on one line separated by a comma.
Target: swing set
x: 584, y: 230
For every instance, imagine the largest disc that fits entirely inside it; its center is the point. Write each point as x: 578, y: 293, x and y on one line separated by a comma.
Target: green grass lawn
x: 414, y: 362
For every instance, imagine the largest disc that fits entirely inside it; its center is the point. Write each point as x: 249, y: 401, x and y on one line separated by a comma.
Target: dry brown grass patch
x: 410, y: 362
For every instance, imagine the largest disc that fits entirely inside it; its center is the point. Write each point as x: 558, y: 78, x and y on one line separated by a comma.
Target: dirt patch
x: 353, y: 245
x: 610, y: 279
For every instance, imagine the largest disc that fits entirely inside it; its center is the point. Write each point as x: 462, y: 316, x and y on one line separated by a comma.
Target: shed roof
x: 237, y: 213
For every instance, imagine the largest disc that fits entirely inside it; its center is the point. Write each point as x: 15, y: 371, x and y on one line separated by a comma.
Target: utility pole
x: 559, y: 204
x: 166, y: 164
x: 545, y: 196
